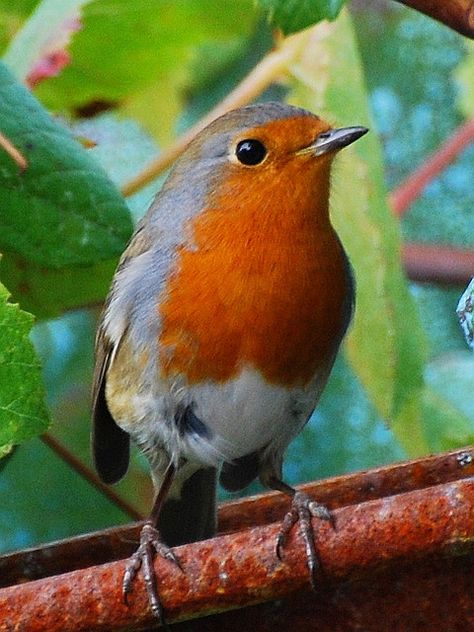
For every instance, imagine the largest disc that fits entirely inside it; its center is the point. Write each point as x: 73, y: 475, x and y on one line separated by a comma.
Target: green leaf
x: 122, y: 149
x: 62, y: 210
x: 294, y: 15
x: 49, y: 292
x: 124, y: 46
x: 23, y: 413
x: 386, y: 345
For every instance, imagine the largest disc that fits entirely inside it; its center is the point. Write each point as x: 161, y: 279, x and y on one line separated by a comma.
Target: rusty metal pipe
x: 241, y: 569
x: 119, y: 542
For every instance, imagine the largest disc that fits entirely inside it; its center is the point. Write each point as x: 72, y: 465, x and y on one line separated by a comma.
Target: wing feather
x: 110, y: 444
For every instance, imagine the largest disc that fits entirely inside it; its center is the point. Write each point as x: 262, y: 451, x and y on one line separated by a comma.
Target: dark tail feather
x: 110, y: 444
x: 193, y: 516
x: 240, y: 472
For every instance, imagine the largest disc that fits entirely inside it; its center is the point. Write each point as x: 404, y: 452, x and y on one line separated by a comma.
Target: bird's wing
x: 130, y: 287
x: 110, y: 444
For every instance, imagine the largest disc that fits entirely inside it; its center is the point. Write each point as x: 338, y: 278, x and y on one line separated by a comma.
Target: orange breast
x: 264, y: 285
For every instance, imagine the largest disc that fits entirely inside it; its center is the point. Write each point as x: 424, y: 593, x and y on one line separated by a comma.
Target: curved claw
x: 150, y: 545
x: 302, y: 510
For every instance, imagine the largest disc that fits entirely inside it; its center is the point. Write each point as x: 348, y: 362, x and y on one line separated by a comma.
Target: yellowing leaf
x: 386, y: 346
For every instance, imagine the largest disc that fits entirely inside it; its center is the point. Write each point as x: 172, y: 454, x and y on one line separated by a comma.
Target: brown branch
x: 457, y: 14
x: 377, y: 539
x: 438, y: 264
x: 91, y: 477
x: 407, y: 192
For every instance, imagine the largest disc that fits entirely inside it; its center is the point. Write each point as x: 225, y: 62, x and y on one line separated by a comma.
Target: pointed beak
x: 333, y: 140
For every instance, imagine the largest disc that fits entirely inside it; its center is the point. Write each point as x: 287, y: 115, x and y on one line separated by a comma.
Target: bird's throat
x: 266, y: 288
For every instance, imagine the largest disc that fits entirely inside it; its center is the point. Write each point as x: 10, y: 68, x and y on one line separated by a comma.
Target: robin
x: 222, y: 324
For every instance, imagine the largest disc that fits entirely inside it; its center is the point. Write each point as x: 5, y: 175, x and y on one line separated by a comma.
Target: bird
x: 222, y: 324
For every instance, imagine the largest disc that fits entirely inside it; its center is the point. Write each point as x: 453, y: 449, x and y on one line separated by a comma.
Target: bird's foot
x: 150, y: 545
x: 302, y: 510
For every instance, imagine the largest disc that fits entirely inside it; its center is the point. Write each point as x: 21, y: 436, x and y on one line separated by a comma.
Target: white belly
x: 242, y: 415
x: 247, y: 413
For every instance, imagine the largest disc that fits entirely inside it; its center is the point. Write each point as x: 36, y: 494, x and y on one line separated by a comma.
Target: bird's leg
x: 151, y: 545
x: 302, y: 509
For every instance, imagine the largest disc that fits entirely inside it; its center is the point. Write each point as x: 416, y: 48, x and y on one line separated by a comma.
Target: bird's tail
x: 193, y: 516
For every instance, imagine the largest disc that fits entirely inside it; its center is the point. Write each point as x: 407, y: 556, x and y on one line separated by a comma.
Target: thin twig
x: 13, y: 152
x: 457, y: 14
x: 260, y: 77
x: 438, y: 264
x: 68, y: 457
x: 407, y: 192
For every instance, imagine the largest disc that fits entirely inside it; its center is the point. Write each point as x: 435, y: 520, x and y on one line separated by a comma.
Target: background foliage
x: 131, y: 76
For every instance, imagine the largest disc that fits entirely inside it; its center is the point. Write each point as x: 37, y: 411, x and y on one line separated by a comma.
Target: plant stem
x: 434, y: 263
x: 85, y: 472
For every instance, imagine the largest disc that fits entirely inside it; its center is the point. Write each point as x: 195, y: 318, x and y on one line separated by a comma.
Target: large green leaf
x: 122, y: 149
x: 293, y: 15
x: 62, y: 210
x: 123, y: 47
x: 23, y: 413
x: 386, y: 345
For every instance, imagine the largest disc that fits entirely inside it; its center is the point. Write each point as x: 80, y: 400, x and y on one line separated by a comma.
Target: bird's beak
x: 333, y: 140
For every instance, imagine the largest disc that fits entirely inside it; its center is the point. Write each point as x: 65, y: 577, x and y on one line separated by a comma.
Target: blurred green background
x: 411, y: 65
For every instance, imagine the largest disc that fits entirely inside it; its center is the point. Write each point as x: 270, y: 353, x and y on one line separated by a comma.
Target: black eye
x: 250, y: 151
